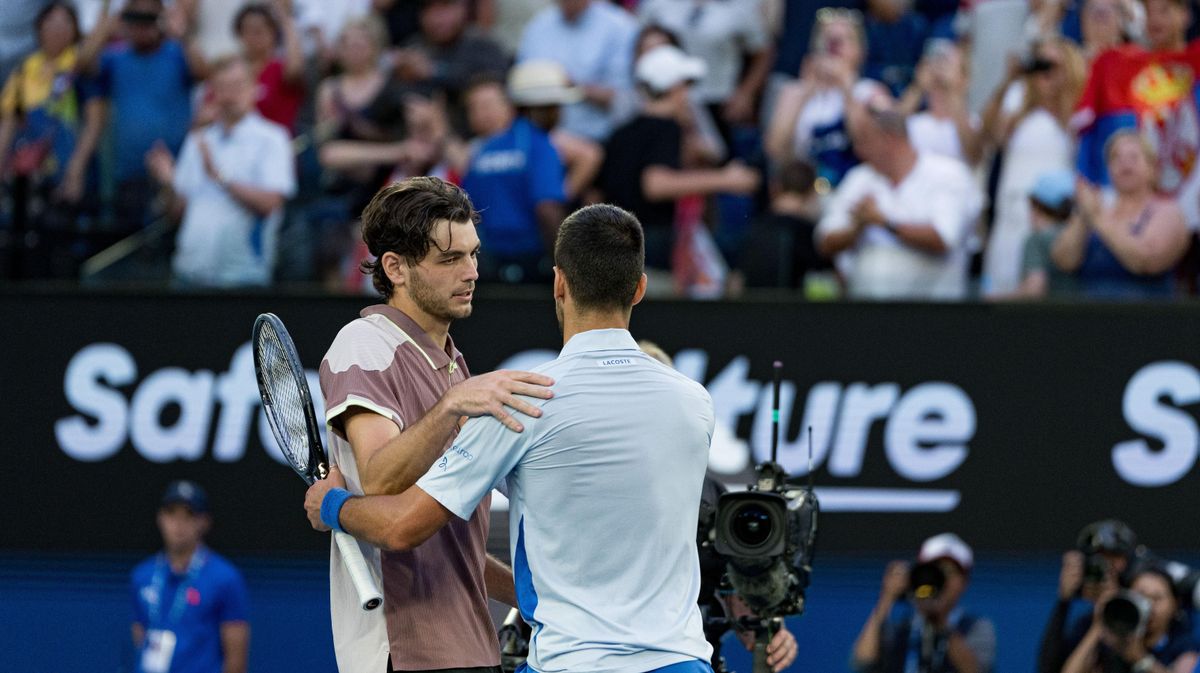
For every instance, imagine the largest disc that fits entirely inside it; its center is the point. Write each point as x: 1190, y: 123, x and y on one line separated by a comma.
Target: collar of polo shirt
x: 600, y: 340
x: 438, y: 358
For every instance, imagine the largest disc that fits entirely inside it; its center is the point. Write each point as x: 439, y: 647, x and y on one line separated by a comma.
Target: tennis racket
x: 289, y: 408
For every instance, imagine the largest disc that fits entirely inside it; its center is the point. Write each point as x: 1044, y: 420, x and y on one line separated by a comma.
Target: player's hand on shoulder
x: 496, y: 392
x: 316, y: 495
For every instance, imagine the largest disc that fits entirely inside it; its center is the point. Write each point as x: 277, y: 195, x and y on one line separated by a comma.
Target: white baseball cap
x: 950, y: 546
x: 541, y: 82
x: 665, y: 66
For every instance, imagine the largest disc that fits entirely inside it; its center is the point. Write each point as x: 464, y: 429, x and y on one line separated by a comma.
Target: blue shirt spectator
x: 594, y: 41
x: 190, y: 608
x: 190, y: 605
x: 510, y: 174
x: 150, y: 97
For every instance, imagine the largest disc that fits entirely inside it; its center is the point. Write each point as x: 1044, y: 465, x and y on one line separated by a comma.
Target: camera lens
x: 1121, y: 616
x: 752, y: 525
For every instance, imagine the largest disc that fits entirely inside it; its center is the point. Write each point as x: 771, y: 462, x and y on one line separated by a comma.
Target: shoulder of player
x: 372, y: 342
x: 143, y: 571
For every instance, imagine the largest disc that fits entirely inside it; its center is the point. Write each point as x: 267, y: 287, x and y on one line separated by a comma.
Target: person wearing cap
x: 143, y: 84
x: 190, y: 603
x: 515, y: 176
x: 642, y: 170
x: 1051, y: 200
x: 929, y: 633
x: 1098, y: 566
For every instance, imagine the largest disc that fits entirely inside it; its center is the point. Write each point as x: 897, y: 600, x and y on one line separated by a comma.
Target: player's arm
x: 392, y: 522
x: 235, y: 646
x: 390, y: 461
x: 138, y: 633
x: 498, y: 578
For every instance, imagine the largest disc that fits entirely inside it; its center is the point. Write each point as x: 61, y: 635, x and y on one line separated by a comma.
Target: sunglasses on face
x: 139, y: 17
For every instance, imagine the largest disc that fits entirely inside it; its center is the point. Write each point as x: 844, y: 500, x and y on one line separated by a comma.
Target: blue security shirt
x: 604, y: 495
x: 150, y: 96
x: 217, y: 595
x: 509, y: 175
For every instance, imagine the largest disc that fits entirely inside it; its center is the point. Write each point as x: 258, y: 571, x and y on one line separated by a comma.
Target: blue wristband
x: 331, y: 507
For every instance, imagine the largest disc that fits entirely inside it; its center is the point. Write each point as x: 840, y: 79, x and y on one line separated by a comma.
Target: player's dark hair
x: 400, y: 219
x: 258, y: 9
x: 797, y: 177
x: 600, y: 250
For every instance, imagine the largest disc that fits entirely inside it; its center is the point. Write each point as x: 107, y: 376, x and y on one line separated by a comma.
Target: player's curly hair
x: 400, y: 219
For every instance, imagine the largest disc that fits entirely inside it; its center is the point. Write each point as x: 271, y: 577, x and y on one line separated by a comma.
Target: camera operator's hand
x: 781, y: 651
x: 1070, y: 578
x: 895, y: 581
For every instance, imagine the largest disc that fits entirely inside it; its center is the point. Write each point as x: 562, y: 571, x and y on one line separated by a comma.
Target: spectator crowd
x: 876, y: 149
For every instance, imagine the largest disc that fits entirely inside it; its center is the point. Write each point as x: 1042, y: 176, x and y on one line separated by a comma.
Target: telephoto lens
x: 926, y: 580
x: 1126, y: 614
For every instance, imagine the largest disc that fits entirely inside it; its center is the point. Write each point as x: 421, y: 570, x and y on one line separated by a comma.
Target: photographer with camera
x: 917, y: 625
x: 1140, y: 630
x: 1098, y: 566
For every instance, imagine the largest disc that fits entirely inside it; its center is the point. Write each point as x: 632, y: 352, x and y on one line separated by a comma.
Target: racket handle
x: 368, y: 594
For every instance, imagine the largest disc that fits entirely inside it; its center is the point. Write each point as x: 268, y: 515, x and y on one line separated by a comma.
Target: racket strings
x: 286, y: 410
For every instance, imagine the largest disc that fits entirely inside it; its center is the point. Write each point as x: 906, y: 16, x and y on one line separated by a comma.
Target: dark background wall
x: 1011, y: 425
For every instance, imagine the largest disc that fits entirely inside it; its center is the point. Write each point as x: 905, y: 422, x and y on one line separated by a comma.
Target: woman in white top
x: 809, y: 117
x: 945, y: 126
x: 1027, y: 116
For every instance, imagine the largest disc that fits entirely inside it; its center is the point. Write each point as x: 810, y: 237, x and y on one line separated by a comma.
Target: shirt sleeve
x: 276, y: 171
x: 139, y: 606
x: 982, y: 641
x: 483, y: 454
x: 837, y: 213
x: 546, y: 175
x: 359, y: 371
x: 953, y: 208
x: 234, y: 603
x: 753, y: 31
x: 10, y: 96
x: 189, y: 169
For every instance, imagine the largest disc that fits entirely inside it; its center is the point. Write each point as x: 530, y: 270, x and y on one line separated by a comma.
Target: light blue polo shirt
x: 604, y: 492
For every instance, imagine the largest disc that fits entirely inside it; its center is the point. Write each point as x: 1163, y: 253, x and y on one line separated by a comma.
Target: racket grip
x: 368, y: 594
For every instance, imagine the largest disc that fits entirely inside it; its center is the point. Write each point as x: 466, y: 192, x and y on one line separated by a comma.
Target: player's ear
x: 640, y: 291
x: 395, y: 268
x: 560, y: 285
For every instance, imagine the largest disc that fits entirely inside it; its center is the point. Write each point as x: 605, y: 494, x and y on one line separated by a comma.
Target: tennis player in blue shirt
x: 189, y: 603
x: 604, y: 487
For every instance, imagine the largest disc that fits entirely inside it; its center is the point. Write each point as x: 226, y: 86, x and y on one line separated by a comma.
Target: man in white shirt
x: 604, y: 486
x: 229, y: 187
x: 593, y: 40
x: 905, y: 217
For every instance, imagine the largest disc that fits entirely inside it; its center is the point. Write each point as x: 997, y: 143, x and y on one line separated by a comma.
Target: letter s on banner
x: 88, y: 371
x: 1134, y: 460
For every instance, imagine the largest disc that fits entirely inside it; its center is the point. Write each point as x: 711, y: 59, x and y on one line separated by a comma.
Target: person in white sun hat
x: 917, y: 625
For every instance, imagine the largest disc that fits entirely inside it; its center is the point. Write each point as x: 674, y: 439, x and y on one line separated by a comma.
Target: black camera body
x: 926, y: 581
x: 767, y: 536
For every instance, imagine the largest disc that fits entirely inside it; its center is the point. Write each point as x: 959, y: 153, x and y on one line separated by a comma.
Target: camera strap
x: 926, y: 648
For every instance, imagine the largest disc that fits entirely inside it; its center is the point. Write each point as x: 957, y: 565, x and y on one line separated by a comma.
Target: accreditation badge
x: 160, y: 647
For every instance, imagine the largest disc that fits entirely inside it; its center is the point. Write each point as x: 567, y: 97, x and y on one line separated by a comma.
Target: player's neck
x: 592, y: 320
x: 437, y: 329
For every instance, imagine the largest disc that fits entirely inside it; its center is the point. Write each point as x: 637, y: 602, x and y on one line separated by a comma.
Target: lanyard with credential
x: 179, y: 602
x: 916, y: 659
